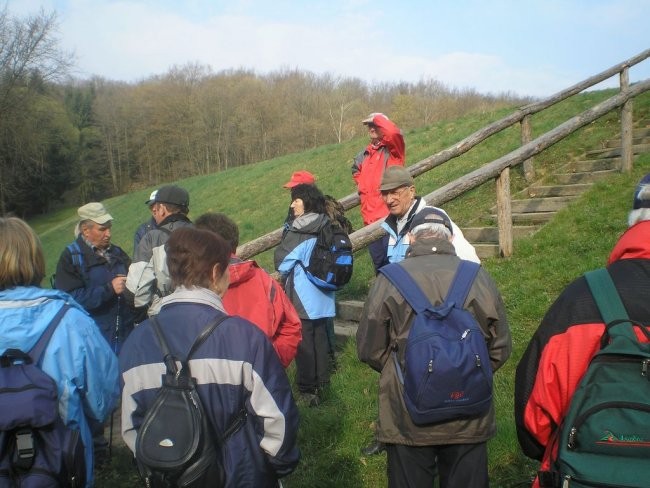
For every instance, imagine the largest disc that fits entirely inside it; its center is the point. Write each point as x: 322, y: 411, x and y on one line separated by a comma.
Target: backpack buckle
x: 645, y: 365
x: 25, y: 449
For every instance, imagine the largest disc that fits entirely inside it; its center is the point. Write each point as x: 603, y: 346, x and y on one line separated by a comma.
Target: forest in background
x: 65, y: 140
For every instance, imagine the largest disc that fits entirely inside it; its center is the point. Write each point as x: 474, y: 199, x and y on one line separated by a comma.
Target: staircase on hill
x: 537, y: 204
x: 532, y: 207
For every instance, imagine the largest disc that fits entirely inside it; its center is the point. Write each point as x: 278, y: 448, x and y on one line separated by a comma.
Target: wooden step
x: 548, y: 204
x: 602, y: 164
x: 555, y: 190
x: 485, y: 250
x: 531, y: 217
x: 609, y: 153
x: 636, y: 140
x: 477, y: 235
x: 589, y: 177
x: 349, y: 310
x: 344, y: 329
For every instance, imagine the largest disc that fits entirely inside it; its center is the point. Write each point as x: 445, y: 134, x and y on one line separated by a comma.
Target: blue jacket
x: 90, y: 285
x: 293, y: 252
x: 236, y: 368
x: 77, y: 357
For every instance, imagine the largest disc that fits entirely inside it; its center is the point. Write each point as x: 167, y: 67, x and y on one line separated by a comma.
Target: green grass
x: 578, y: 239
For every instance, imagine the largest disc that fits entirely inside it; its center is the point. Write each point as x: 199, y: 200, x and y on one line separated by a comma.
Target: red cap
x: 300, y: 178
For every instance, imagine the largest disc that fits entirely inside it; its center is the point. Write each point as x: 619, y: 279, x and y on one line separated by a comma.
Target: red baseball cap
x: 300, y: 178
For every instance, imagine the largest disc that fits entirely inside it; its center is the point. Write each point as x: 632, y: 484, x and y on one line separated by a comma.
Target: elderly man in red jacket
x: 386, y: 148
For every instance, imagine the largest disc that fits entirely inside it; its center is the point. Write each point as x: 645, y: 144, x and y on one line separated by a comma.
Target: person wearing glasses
x: 385, y: 149
x: 397, y: 190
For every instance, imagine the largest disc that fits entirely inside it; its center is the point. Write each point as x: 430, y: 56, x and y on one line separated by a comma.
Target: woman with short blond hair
x: 77, y: 357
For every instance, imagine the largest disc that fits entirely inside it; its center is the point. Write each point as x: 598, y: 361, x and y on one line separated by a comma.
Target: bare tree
x: 30, y: 59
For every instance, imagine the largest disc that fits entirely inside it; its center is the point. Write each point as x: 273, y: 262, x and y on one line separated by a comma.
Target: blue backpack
x: 447, y: 373
x: 37, y: 450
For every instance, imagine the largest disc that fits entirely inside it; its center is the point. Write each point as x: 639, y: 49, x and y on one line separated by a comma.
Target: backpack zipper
x: 577, y: 423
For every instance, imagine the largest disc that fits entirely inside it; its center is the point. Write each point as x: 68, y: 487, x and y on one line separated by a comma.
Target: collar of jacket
x: 426, y: 246
x: 308, y: 223
x: 391, y: 219
x: 633, y: 244
x: 177, y: 217
x: 195, y: 294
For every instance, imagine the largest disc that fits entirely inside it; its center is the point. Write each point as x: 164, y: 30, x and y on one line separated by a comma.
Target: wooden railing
x: 499, y: 169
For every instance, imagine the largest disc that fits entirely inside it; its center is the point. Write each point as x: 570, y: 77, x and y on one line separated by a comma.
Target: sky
x: 524, y: 47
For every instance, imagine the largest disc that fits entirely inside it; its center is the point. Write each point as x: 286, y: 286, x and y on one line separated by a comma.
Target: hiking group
x: 190, y: 343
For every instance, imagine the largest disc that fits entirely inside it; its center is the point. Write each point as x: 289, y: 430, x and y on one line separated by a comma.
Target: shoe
x: 375, y: 447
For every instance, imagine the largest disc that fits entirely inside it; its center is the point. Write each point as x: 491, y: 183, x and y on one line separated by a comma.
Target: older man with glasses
x: 398, y: 192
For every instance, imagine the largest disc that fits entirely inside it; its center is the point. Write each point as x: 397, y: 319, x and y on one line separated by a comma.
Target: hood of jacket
x: 633, y: 244
x: 241, y: 271
x: 309, y: 223
x: 25, y: 312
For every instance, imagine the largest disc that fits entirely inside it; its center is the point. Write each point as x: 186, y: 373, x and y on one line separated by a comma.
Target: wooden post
x: 626, y: 126
x: 504, y: 213
x: 526, y: 137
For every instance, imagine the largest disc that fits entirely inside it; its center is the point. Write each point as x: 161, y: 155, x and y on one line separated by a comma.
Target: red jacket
x: 568, y: 337
x: 369, y: 164
x: 254, y: 295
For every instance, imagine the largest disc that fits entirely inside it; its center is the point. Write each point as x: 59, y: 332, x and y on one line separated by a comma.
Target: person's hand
x: 119, y: 284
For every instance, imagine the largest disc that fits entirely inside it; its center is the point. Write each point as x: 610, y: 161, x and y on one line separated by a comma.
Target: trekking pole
x: 116, y: 350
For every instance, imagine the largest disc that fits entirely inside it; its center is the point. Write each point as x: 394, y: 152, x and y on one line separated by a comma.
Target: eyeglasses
x: 395, y: 192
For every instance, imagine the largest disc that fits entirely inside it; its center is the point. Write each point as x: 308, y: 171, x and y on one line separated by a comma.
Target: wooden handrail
x: 363, y: 237
x: 271, y: 239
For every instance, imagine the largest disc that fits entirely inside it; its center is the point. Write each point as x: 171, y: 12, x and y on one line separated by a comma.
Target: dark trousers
x: 312, y: 359
x: 331, y: 338
x: 457, y: 465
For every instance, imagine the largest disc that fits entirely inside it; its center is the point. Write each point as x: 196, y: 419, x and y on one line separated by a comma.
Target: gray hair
x: 433, y: 230
x: 638, y: 215
x: 80, y: 225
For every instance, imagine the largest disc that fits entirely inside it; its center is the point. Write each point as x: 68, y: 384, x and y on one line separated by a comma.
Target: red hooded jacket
x: 254, y: 295
x: 369, y: 164
x: 568, y: 337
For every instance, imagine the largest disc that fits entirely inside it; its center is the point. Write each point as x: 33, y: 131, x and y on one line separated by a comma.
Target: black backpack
x: 331, y: 260
x: 447, y: 372
x: 37, y: 450
x: 176, y: 444
x: 605, y: 436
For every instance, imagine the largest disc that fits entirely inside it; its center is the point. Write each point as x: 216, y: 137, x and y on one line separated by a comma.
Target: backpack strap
x: 37, y: 351
x: 462, y: 283
x: 169, y: 357
x: 170, y: 364
x: 610, y: 306
x: 75, y: 253
x: 407, y: 286
x: 606, y: 295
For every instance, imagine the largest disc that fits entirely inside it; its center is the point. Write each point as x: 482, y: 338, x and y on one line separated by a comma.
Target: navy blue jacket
x: 236, y: 368
x: 89, y: 283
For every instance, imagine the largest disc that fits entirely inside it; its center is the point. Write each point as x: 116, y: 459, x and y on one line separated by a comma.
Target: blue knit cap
x: 642, y: 193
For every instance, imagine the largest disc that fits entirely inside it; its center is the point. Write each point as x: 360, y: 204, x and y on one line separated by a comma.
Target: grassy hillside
x: 254, y: 197
x: 578, y: 239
